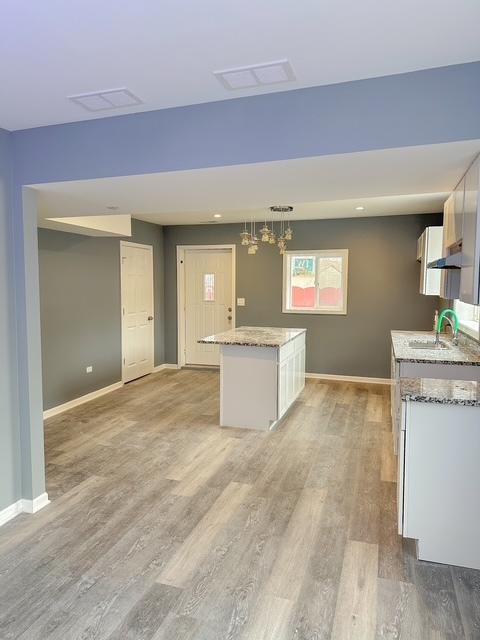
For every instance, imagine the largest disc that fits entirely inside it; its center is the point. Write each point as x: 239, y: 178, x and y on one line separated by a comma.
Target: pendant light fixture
x: 267, y: 234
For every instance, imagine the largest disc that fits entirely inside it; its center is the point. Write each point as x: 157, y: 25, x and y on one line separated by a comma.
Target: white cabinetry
x: 439, y: 480
x: 291, y: 372
x: 429, y: 248
x: 258, y: 384
x: 450, y: 278
x: 461, y: 234
x: 470, y: 272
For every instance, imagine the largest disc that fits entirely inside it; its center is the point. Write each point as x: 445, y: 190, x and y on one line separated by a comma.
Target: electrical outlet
x: 89, y: 369
x: 240, y: 302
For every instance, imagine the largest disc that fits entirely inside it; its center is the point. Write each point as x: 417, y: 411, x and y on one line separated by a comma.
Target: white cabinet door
x: 400, y: 480
x: 282, y: 388
x: 459, y: 198
x: 431, y: 240
x: 450, y: 278
x: 470, y: 272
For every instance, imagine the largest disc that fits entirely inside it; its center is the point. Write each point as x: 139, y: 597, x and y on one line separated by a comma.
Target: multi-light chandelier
x: 268, y: 234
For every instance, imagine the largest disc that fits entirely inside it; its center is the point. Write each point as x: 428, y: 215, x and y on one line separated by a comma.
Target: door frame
x: 181, y: 327
x: 125, y: 243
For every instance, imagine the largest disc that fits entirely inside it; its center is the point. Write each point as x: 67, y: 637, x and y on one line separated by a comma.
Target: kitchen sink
x: 428, y: 344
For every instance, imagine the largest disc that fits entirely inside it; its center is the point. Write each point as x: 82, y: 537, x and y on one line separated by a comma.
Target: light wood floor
x: 164, y: 526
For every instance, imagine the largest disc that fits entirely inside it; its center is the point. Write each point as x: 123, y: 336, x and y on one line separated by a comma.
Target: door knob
x: 229, y: 309
x: 229, y: 317
x: 150, y: 318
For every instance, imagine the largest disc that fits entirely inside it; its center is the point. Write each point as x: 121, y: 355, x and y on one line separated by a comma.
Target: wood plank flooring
x: 163, y: 526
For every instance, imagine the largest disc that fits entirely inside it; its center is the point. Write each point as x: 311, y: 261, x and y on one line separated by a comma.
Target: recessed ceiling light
x: 360, y: 208
x: 256, y: 75
x: 217, y: 215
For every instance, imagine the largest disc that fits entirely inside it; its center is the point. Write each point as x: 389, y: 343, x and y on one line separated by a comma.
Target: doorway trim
x: 125, y: 243
x: 181, y: 328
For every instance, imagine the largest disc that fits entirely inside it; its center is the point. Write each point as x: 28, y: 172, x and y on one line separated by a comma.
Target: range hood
x: 454, y: 261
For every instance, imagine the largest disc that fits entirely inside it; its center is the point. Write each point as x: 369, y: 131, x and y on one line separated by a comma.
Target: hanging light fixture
x: 267, y: 234
x: 245, y: 236
x: 265, y: 231
x: 286, y: 233
x: 253, y: 243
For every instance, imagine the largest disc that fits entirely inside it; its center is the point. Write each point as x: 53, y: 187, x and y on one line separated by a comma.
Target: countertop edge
x: 238, y: 343
x: 410, y: 397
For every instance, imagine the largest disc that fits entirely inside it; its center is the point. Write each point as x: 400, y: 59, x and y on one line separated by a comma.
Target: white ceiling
x: 165, y: 51
x: 387, y: 182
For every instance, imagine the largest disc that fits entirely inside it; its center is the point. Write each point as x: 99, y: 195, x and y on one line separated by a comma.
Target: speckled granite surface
x: 254, y: 336
x: 466, y: 353
x: 440, y: 391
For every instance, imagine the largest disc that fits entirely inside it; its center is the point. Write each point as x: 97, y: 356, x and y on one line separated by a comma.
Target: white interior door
x: 137, y: 310
x: 208, y: 301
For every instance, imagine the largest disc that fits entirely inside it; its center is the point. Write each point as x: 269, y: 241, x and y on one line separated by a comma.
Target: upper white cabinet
x: 429, y: 248
x: 469, y: 276
x: 458, y: 208
x: 461, y: 236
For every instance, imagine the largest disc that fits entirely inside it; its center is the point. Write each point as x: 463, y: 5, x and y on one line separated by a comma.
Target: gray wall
x: 10, y: 479
x: 80, y: 309
x: 382, y: 288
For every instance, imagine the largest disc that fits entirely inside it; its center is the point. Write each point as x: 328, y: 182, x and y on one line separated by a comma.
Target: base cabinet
x: 439, y: 481
x: 291, y: 373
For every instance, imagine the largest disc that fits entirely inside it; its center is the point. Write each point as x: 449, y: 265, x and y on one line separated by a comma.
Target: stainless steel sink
x: 428, y: 344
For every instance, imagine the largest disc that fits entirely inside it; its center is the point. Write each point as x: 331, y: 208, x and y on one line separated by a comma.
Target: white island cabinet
x: 438, y: 469
x: 262, y: 372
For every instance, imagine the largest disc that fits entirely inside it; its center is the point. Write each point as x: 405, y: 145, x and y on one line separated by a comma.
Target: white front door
x: 137, y: 310
x: 208, y: 301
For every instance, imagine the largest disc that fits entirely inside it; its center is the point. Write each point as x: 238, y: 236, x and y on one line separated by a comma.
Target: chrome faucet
x: 445, y: 315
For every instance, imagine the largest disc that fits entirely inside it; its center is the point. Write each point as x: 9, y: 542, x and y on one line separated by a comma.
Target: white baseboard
x: 23, y: 506
x: 166, y: 365
x: 77, y: 401
x: 335, y: 378
x: 10, y: 512
x: 32, y: 506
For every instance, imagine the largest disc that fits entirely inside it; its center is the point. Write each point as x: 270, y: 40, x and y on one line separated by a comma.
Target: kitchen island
x: 262, y: 372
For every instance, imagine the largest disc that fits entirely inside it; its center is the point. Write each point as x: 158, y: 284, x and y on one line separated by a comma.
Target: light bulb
x: 272, y: 238
x: 288, y: 233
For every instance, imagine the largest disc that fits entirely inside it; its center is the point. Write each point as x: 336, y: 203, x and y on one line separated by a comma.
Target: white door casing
x: 137, y: 310
x: 206, y: 300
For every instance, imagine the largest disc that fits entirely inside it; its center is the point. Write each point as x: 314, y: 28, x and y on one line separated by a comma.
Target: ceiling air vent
x: 257, y: 75
x: 103, y: 100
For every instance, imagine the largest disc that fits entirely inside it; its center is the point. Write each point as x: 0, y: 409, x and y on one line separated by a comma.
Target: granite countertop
x: 462, y: 392
x: 254, y: 336
x: 467, y: 352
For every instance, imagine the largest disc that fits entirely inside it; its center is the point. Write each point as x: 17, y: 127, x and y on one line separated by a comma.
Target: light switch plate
x: 89, y: 369
x: 240, y: 302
